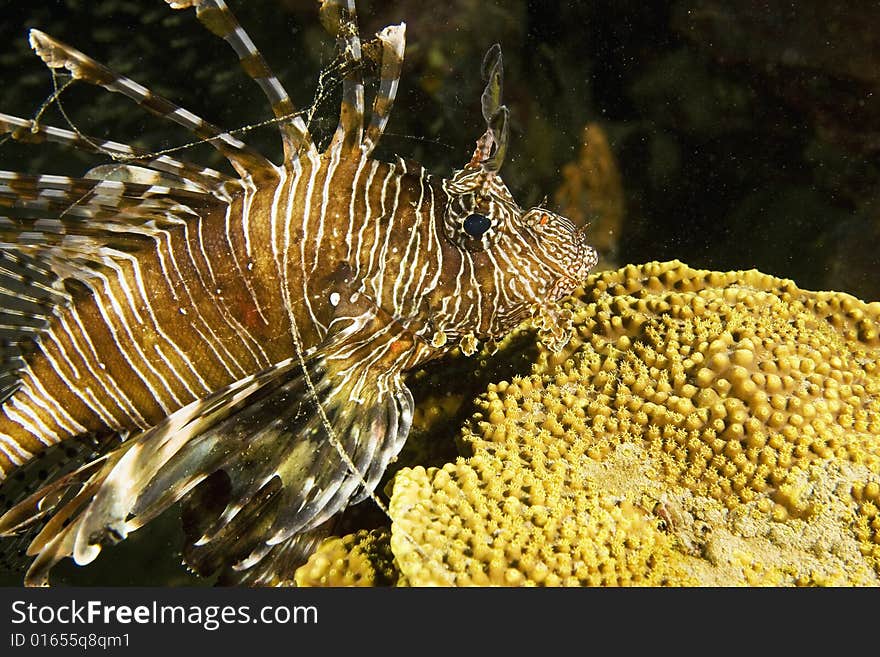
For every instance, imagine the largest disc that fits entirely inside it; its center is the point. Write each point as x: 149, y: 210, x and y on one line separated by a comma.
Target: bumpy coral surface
x: 699, y: 428
x: 359, y: 559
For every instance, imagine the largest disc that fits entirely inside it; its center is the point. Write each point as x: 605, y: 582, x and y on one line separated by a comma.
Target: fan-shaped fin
x: 297, y: 445
x: 238, y: 552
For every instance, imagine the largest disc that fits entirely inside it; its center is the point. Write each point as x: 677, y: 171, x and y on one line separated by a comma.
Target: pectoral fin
x: 296, y: 443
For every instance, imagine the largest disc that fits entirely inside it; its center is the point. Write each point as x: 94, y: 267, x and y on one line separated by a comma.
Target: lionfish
x: 245, y: 339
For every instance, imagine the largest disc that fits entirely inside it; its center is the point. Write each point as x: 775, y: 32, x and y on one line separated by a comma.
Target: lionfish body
x: 247, y: 337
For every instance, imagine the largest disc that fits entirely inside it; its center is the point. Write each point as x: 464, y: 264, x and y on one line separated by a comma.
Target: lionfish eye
x: 476, y: 224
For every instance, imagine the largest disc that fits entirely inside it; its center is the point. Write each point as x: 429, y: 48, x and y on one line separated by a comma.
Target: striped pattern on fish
x: 247, y: 337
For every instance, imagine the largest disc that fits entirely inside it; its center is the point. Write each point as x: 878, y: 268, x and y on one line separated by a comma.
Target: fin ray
x: 246, y: 161
x: 340, y: 19
x: 219, y: 19
x: 30, y: 131
x: 393, y: 43
x: 27, y: 299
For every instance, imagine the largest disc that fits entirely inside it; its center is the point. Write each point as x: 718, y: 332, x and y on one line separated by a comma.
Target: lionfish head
x: 524, y: 260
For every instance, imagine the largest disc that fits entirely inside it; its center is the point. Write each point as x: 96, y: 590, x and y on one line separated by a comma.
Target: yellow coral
x: 489, y: 521
x: 747, y: 406
x: 360, y: 559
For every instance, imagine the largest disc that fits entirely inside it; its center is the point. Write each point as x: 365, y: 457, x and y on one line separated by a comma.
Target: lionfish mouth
x: 586, y: 258
x: 578, y: 267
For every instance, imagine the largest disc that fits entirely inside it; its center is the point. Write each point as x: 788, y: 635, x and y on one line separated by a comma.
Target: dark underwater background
x: 728, y: 134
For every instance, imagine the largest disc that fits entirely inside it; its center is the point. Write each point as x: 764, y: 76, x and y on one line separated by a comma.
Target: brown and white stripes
x: 168, y: 302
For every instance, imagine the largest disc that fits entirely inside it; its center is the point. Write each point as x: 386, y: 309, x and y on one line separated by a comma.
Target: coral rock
x: 701, y: 428
x: 360, y: 559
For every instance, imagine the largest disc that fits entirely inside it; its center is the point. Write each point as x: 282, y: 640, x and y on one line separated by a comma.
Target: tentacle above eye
x: 492, y: 146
